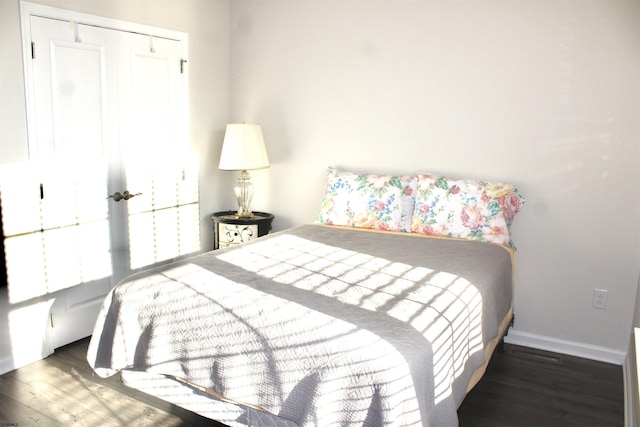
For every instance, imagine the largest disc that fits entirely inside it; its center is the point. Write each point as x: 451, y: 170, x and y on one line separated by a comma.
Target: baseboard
x: 7, y: 364
x: 571, y: 348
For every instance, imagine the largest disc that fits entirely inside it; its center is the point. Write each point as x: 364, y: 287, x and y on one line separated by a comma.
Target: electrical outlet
x: 600, y: 298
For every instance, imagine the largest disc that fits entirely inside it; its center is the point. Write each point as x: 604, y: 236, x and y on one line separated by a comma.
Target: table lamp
x: 243, y: 149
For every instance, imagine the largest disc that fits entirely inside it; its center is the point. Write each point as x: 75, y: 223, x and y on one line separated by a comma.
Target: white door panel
x: 71, y: 118
x: 78, y: 81
x: 72, y: 97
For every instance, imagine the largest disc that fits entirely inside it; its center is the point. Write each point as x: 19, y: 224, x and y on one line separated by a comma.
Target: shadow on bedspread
x: 317, y: 325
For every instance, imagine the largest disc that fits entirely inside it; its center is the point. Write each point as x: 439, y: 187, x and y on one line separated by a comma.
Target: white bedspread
x: 317, y: 325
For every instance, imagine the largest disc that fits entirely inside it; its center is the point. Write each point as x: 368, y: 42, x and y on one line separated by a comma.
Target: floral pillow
x: 368, y: 201
x: 465, y: 208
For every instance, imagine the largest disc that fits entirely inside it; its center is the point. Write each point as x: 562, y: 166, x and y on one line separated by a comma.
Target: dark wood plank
x: 526, y: 387
x: 517, y: 390
x: 13, y: 412
x: 62, y: 390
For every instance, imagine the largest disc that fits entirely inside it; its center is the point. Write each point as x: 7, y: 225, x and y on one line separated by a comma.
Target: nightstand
x: 228, y: 229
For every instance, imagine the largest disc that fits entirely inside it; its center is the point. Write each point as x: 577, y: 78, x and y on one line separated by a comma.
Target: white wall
x: 544, y: 94
x: 13, y: 120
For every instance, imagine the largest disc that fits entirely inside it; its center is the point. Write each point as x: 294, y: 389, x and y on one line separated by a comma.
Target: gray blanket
x: 319, y: 325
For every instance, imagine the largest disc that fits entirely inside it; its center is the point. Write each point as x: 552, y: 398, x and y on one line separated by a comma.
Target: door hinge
x: 33, y: 50
x: 182, y: 62
x: 53, y: 322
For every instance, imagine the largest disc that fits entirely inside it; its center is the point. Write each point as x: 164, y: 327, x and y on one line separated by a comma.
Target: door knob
x: 117, y: 196
x: 126, y: 195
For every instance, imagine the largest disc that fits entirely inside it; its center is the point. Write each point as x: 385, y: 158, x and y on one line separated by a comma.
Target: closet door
x: 73, y: 142
x: 115, y: 190
x: 160, y: 221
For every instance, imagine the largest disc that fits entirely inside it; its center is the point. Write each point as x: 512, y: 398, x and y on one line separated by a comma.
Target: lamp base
x: 243, y: 214
x: 244, y: 194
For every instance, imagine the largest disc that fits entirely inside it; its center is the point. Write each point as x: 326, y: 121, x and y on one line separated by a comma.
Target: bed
x: 331, y: 323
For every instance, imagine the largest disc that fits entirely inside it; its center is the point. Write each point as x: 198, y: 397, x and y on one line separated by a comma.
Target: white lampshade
x: 243, y: 148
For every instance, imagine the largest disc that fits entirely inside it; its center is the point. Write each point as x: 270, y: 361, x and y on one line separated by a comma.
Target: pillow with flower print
x: 465, y: 208
x: 383, y: 202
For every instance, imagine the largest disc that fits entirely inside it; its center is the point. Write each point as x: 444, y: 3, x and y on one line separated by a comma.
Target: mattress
x: 313, y: 326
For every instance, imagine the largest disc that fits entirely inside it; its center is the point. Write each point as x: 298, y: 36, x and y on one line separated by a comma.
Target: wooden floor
x: 527, y: 387
x: 519, y: 389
